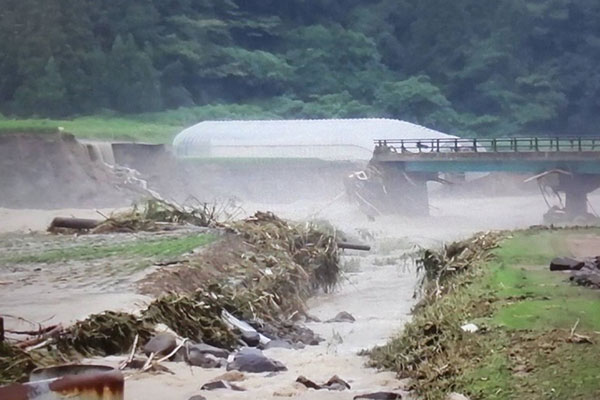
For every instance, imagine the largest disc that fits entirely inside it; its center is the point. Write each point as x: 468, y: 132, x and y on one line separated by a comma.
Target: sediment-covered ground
x: 376, y: 288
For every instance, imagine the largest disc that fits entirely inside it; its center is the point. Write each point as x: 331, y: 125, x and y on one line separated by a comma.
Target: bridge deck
x: 574, y: 154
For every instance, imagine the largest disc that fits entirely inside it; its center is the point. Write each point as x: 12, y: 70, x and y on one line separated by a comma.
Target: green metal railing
x: 514, y: 144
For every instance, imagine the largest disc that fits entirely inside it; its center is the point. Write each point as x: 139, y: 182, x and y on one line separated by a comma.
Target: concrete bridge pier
x: 576, y: 188
x: 406, y: 192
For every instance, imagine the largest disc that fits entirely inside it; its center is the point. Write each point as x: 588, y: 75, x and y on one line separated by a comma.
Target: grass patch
x: 108, y: 128
x: 155, y: 248
x: 533, y: 247
x: 526, y: 314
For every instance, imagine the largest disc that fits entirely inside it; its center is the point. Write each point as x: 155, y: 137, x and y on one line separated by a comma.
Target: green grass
x: 526, y: 312
x: 533, y: 247
x: 101, y: 128
x: 157, y: 127
x: 156, y: 248
x: 540, y: 307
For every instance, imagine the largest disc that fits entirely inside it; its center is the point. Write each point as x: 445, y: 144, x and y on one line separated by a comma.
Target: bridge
x: 406, y: 165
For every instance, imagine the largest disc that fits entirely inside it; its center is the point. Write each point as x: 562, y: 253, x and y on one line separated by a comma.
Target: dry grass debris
x: 265, y: 279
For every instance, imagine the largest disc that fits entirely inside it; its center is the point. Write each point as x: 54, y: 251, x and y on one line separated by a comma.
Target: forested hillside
x: 463, y: 66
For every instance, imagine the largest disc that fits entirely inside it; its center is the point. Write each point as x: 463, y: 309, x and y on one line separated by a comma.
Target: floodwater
x: 379, y: 296
x: 377, y: 289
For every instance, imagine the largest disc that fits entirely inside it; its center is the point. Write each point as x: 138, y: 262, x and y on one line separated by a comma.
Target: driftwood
x: 48, y: 335
x: 74, y: 223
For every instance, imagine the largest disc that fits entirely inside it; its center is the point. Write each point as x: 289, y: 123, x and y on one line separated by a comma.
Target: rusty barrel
x: 90, y: 386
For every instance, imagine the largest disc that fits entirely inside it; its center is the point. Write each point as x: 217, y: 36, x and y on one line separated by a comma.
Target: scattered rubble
x: 584, y: 272
x: 334, y: 383
x: 269, y: 278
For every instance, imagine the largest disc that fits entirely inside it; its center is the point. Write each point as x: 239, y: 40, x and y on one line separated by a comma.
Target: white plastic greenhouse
x: 327, y: 139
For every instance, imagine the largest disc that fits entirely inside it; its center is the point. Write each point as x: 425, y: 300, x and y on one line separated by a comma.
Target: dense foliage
x: 463, y: 66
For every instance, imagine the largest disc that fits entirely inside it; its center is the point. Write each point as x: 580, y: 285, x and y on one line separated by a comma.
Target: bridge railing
x: 514, y: 144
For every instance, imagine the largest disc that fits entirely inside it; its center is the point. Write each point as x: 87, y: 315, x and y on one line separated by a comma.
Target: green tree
x: 132, y: 80
x: 44, y: 96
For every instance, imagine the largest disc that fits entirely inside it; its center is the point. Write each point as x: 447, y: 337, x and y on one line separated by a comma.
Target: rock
x: 204, y: 360
x: 308, y: 383
x: 221, y: 385
x: 379, y: 396
x: 278, y: 344
x: 208, y: 349
x: 252, y: 339
x: 253, y: 360
x: 336, y: 383
x: 456, y: 396
x: 197, y: 397
x: 566, y: 264
x: 343, y: 317
x: 161, y: 344
x: 589, y: 277
x: 231, y: 376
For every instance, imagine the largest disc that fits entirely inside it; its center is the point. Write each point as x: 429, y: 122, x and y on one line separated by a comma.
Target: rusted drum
x: 87, y: 384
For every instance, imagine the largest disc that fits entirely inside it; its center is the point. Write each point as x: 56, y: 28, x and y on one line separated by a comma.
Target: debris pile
x: 437, y: 266
x: 264, y: 281
x: 152, y: 215
x: 584, y: 272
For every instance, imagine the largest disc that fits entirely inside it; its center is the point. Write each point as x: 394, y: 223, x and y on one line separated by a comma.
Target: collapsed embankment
x: 495, y: 323
x: 58, y: 171
x: 55, y: 170
x: 269, y: 269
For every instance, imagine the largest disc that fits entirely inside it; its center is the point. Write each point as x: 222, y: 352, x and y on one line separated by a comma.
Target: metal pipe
x: 354, y: 246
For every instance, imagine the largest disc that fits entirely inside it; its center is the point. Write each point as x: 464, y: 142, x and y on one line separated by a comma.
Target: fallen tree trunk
x: 74, y: 223
x: 353, y: 246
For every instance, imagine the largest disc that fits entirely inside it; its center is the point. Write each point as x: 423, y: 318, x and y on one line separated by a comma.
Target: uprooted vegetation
x: 271, y: 267
x: 536, y: 332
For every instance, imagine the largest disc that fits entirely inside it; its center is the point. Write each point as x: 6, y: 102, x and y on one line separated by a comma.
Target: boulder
x: 253, y: 360
x: 161, y: 344
x: 197, y: 397
x: 566, y: 264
